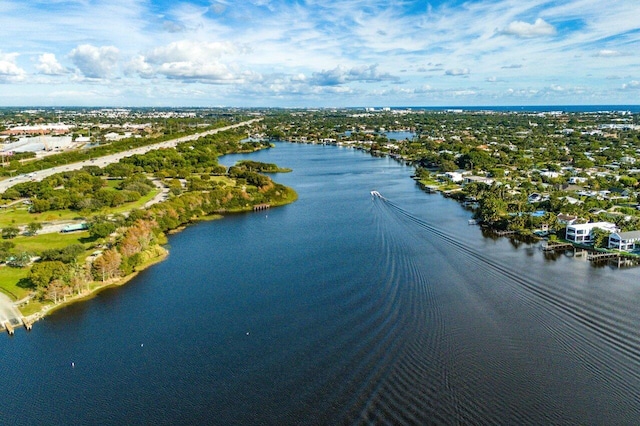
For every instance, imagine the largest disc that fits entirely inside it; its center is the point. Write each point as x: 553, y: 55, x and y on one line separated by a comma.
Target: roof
x: 563, y: 216
x: 629, y: 235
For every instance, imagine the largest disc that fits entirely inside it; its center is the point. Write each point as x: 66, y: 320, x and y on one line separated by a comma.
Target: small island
x: 73, y: 233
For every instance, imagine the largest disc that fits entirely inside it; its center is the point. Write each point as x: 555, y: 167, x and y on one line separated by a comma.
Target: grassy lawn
x: 55, y: 240
x: 223, y: 179
x: 113, y: 183
x: 133, y: 205
x: 15, y: 216
x: 9, y: 279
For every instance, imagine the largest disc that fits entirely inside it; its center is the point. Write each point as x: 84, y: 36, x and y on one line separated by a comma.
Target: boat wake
x: 473, y: 337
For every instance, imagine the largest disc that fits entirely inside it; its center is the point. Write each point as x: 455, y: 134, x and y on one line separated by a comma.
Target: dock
x: 557, y: 246
x: 601, y: 256
x: 27, y: 324
x: 259, y: 207
x: 503, y: 233
x: 9, y: 328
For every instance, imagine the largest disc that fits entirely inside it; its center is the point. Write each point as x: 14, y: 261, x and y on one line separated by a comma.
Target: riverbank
x: 95, y: 287
x: 156, y: 254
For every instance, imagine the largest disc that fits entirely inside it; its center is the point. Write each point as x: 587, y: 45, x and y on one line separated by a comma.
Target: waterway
x: 339, y: 308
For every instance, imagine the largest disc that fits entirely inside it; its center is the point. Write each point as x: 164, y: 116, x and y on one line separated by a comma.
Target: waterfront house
x: 455, y: 176
x: 478, y: 179
x: 583, y: 233
x: 625, y: 241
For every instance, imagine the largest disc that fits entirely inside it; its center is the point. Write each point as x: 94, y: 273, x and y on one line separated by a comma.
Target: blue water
x: 400, y: 136
x: 339, y: 308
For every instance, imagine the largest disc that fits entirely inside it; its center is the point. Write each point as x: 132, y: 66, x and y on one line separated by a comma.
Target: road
x: 8, y: 312
x: 112, y: 158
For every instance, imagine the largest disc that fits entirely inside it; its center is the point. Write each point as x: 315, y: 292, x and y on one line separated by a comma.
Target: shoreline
x: 89, y: 294
x: 117, y: 282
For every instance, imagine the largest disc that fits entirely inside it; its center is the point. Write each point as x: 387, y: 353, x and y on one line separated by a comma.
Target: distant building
x: 41, y: 129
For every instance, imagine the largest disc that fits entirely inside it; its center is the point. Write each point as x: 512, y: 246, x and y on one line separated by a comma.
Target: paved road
x: 8, y: 312
x: 113, y: 158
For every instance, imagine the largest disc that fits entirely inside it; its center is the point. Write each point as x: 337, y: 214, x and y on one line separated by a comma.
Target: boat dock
x: 7, y: 325
x: 259, y: 207
x: 27, y: 324
x: 601, y: 256
x: 557, y: 246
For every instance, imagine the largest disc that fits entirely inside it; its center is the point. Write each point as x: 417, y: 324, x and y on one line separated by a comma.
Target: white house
x: 583, y: 233
x: 625, y: 241
x: 455, y: 176
x: 478, y: 179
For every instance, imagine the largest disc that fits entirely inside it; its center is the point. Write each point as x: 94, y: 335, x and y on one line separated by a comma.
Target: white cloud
x: 341, y: 75
x: 95, y: 62
x: 606, y: 53
x: 187, y: 50
x: 190, y: 61
x: 10, y: 72
x: 633, y: 84
x: 49, y: 65
x: 457, y: 71
x: 211, y: 72
x: 540, y: 28
x: 138, y: 65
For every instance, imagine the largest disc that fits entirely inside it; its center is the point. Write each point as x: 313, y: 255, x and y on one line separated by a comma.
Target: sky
x: 319, y: 53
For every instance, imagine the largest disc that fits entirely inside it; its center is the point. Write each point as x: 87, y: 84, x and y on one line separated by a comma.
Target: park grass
x: 15, y: 216
x: 127, y: 207
x: 223, y: 179
x: 19, y: 215
x: 113, y: 183
x: 38, y: 243
x: 10, y: 279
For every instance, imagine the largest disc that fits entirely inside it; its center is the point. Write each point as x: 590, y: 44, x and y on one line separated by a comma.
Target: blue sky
x: 319, y: 53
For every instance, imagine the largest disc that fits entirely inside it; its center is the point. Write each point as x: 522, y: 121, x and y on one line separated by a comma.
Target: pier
x: 8, y: 327
x: 601, y: 256
x: 259, y: 207
x: 503, y: 233
x: 27, y: 324
x: 557, y: 246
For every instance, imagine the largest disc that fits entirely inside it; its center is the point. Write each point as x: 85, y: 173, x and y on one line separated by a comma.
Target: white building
x: 625, y: 241
x: 583, y: 233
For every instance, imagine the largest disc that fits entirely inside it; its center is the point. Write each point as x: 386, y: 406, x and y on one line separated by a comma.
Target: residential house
x: 625, y: 241
x: 583, y: 233
x: 566, y: 219
x: 478, y: 179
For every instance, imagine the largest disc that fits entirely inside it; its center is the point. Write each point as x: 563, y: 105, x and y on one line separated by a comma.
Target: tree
x: 42, y: 273
x: 107, y: 265
x: 34, y: 227
x: 10, y: 232
x: 5, y: 249
x: 40, y: 205
x: 20, y: 260
x: 600, y: 238
x: 101, y: 228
